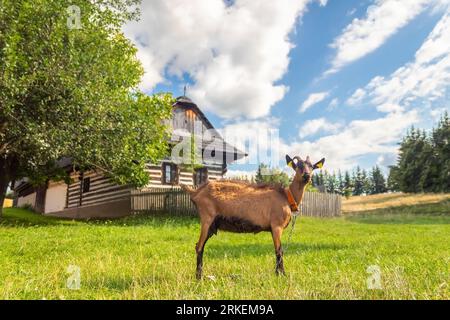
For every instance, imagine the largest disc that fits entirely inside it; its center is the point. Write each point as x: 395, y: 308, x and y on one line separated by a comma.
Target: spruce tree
x: 378, y: 181
x: 358, y: 182
x: 341, y: 183
x: 348, y: 187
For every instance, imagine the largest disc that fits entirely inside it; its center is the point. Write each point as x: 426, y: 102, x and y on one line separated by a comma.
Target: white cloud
x: 240, y: 174
x: 351, y: 12
x: 342, y: 148
x: 423, y: 82
x: 233, y: 53
x: 359, y: 138
x: 333, y: 104
x: 382, y: 20
x: 323, y: 3
x: 313, y: 99
x: 386, y: 160
x: 437, y: 113
x: 357, y: 97
x: 318, y: 125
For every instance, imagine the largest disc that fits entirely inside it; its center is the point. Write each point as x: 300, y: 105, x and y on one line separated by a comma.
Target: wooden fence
x: 323, y: 205
x: 176, y: 201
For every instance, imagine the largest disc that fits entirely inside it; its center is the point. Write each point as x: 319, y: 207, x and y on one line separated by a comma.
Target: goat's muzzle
x: 306, y: 178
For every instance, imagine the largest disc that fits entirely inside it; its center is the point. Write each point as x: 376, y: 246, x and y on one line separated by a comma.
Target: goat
x: 245, y: 208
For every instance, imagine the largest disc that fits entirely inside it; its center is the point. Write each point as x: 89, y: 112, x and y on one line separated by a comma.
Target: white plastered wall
x: 55, y: 198
x: 27, y: 200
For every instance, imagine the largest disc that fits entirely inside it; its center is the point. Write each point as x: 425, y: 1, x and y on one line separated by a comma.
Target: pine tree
x: 358, y: 182
x: 409, y: 167
x: 264, y: 174
x: 392, y: 182
x: 378, y: 181
x: 319, y: 181
x: 424, y: 160
x: 259, y: 176
x: 315, y: 180
x: 341, y: 183
x: 440, y: 140
x: 348, y: 186
x: 366, y: 182
x: 332, y: 183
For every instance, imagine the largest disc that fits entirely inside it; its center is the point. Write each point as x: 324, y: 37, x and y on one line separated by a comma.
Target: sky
x: 337, y: 79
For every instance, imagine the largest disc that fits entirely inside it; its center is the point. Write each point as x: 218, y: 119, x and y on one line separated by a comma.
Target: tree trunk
x: 3, y: 187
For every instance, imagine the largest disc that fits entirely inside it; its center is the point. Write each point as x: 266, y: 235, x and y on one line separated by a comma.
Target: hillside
x: 364, y: 204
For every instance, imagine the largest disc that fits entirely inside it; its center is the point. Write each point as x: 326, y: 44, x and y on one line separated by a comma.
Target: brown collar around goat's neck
x: 290, y: 197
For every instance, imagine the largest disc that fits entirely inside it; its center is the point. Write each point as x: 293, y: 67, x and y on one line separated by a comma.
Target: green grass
x: 154, y: 258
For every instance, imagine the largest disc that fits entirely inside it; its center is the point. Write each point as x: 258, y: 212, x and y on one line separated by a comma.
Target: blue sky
x: 339, y: 79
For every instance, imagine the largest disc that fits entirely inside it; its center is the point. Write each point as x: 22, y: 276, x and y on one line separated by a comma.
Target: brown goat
x: 244, y: 208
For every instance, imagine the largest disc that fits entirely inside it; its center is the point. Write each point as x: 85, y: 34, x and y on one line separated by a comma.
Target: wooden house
x: 92, y: 194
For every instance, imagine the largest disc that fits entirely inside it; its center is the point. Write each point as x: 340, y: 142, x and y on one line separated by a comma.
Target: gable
x: 184, y: 119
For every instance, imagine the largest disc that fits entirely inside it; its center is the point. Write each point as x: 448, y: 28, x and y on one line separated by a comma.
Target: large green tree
x: 265, y: 174
x: 69, y: 88
x: 440, y: 139
x: 424, y: 160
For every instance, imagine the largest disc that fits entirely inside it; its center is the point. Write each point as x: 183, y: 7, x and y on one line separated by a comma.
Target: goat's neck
x: 297, y: 190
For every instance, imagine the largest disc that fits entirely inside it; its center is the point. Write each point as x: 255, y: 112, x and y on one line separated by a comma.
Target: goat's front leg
x: 199, y: 248
x: 276, y: 235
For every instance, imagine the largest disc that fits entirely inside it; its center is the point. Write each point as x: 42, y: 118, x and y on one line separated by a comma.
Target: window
x: 86, y: 185
x: 200, y: 176
x: 169, y: 173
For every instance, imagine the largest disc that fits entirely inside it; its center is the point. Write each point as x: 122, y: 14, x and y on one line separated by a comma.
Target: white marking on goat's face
x: 304, y: 170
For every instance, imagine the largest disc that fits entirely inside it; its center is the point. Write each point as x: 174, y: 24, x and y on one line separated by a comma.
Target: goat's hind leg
x: 205, y: 234
x: 276, y: 235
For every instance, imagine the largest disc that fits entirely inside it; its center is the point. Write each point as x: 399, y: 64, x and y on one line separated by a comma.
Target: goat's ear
x: 290, y: 162
x: 319, y: 164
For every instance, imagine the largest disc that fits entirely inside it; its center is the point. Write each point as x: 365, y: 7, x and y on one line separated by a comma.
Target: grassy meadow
x: 154, y: 258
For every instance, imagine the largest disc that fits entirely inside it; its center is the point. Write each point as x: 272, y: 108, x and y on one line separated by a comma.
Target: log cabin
x: 92, y: 194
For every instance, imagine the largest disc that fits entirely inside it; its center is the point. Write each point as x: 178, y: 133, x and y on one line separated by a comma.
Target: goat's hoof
x: 280, y: 273
x: 198, y: 276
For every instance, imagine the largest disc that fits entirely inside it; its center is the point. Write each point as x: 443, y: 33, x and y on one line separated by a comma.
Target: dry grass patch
x: 7, y: 203
x: 381, y: 201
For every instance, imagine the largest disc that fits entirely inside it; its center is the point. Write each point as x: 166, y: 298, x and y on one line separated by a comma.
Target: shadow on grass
x: 123, y: 283
x: 110, y: 283
x: 22, y: 218
x: 217, y: 250
x: 156, y: 220
x: 431, y: 213
x: 16, y: 217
